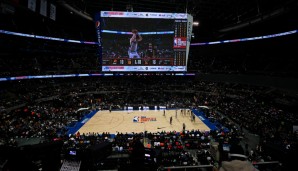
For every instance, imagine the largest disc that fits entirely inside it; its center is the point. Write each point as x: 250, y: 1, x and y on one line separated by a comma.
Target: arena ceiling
x: 218, y: 19
x: 224, y: 12
x: 214, y: 16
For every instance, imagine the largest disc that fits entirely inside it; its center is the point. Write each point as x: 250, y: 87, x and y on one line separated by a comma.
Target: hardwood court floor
x: 122, y: 121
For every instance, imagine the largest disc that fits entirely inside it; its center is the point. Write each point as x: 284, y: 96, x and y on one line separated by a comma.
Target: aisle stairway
x: 70, y: 165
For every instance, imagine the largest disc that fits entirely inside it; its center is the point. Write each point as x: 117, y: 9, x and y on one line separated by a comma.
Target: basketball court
x: 140, y: 121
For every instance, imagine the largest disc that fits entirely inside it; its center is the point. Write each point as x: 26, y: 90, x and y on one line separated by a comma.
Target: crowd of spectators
x: 49, y: 106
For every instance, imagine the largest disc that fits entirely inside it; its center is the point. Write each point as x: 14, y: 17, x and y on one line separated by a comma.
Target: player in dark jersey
x: 136, y: 37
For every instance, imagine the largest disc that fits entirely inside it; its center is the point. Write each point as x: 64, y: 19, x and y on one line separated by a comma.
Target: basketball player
x: 132, y: 51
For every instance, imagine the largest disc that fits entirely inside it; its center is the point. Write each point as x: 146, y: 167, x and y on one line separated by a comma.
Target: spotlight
x: 195, y: 23
x: 192, y: 35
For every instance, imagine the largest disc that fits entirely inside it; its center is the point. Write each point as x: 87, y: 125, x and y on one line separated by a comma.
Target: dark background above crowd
x: 250, y: 87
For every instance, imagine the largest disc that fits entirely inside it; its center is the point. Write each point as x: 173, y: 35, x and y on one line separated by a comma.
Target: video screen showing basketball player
x: 127, y: 40
x: 133, y: 48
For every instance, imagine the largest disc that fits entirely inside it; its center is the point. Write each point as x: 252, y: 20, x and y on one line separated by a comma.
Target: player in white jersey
x: 132, y: 51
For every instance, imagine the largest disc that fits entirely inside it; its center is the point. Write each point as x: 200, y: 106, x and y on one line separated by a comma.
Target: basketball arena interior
x: 148, y: 85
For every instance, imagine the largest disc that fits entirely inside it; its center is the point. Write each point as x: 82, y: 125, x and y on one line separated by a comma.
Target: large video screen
x: 143, y: 41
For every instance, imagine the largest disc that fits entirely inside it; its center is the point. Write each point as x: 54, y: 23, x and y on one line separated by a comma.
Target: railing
x: 209, y: 167
x: 272, y: 165
x: 264, y: 163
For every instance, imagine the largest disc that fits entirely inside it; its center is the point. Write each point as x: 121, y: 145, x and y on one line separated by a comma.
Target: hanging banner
x: 32, y: 5
x: 53, y: 12
x: 43, y: 7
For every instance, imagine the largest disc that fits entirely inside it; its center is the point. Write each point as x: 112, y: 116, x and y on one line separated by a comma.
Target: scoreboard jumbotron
x: 164, y: 45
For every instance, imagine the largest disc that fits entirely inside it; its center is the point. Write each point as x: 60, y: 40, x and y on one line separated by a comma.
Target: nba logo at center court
x: 136, y: 119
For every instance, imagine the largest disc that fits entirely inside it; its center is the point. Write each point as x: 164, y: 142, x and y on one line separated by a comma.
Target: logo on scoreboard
x: 97, y: 24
